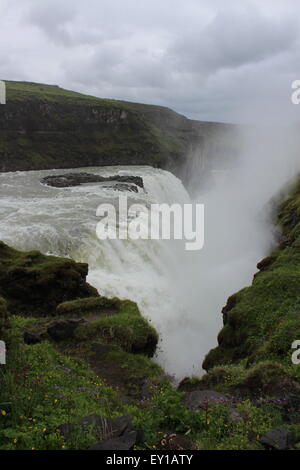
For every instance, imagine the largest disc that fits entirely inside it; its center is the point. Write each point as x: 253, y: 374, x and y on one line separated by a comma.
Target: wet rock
x: 64, y: 329
x: 278, y: 439
x: 118, y: 182
x: 124, y: 187
x: 200, y: 399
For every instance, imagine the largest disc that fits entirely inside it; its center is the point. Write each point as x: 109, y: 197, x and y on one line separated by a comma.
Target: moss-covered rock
x: 91, y: 305
x: 124, y: 327
x: 35, y: 284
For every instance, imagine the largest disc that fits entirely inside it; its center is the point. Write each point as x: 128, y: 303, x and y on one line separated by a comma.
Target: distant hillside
x: 44, y: 126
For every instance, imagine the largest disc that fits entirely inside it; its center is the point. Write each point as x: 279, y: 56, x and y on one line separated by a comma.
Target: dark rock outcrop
x: 35, y: 284
x: 64, y: 329
x: 278, y: 439
x: 31, y: 337
x: 114, y: 433
x: 120, y: 182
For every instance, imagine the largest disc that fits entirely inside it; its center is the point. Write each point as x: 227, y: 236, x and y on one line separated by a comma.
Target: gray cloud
x: 199, y: 58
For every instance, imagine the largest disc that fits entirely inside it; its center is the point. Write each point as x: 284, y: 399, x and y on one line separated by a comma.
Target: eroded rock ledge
x: 116, y: 182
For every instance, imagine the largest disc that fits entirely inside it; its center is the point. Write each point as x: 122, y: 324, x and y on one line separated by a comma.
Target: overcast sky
x: 219, y: 60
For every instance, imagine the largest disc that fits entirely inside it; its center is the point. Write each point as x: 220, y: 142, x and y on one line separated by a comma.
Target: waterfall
x: 180, y: 292
x: 151, y: 272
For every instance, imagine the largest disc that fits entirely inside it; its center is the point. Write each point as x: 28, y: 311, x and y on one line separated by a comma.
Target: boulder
x: 63, y: 329
x: 236, y: 417
x: 31, y: 337
x: 278, y: 439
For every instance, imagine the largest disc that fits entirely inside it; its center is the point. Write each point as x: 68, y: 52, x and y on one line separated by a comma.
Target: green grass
x: 23, y: 91
x: 41, y: 388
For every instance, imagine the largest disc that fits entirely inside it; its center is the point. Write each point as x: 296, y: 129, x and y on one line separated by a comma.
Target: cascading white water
x: 180, y: 292
x: 63, y: 222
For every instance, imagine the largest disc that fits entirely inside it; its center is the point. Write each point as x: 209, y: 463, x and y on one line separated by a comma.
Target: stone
x: 31, y: 337
x: 278, y: 439
x: 236, y: 417
x: 118, y: 182
x: 63, y: 329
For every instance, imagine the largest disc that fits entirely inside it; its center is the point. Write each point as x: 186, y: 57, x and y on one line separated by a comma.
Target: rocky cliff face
x: 45, y: 127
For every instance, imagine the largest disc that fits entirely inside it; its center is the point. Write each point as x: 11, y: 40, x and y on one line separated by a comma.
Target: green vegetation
x: 92, y: 304
x: 42, y: 389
